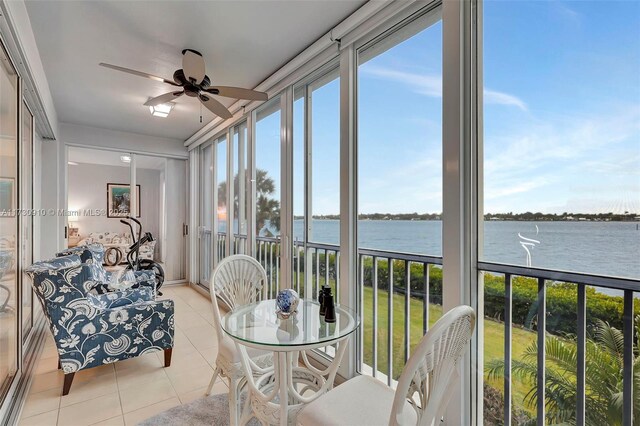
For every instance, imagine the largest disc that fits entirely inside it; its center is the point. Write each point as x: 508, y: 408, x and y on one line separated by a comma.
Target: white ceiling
x: 112, y: 158
x: 243, y: 42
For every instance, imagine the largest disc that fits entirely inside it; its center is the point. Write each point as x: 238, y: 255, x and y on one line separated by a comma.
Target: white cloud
x: 546, y: 166
x: 431, y: 85
x: 495, y: 97
x: 425, y: 84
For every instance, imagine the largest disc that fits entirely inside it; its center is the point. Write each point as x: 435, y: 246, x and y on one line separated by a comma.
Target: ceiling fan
x: 195, y: 83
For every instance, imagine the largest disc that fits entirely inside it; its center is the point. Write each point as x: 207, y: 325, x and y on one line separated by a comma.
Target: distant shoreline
x: 577, y: 218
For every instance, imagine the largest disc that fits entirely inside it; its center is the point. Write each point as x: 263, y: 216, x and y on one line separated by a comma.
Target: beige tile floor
x: 129, y: 391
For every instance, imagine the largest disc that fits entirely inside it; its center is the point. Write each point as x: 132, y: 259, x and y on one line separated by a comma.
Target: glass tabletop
x: 258, y: 324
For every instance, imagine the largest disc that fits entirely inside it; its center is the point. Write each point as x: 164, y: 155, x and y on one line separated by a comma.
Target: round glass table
x: 279, y: 394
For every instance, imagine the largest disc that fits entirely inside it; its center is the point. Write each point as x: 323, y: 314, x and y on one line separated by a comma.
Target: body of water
x: 603, y: 248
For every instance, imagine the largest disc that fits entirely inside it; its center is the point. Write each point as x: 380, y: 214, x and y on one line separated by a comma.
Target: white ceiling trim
x: 354, y: 27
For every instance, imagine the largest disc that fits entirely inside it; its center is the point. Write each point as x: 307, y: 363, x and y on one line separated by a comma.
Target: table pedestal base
x: 276, y: 397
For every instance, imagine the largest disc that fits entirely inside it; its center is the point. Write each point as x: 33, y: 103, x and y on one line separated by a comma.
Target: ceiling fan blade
x: 238, y: 93
x: 214, y: 106
x: 193, y: 65
x: 139, y: 73
x: 163, y: 99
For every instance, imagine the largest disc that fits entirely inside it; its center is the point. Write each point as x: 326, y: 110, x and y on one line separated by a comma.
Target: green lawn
x: 493, y: 337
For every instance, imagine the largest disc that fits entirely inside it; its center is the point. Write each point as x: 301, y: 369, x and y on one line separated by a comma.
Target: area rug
x: 210, y: 410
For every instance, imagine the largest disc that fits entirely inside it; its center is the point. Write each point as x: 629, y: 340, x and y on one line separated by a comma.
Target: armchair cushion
x: 115, y: 299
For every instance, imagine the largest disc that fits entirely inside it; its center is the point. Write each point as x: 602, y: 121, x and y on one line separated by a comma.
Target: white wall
x: 176, y: 217
x: 113, y: 139
x: 87, y: 186
x: 50, y: 231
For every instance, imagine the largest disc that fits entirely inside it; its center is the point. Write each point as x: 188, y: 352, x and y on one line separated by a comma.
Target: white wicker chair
x: 238, y: 280
x: 423, y: 390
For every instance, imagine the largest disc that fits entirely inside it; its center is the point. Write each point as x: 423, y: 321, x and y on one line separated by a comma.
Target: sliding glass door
x: 9, y: 187
x: 205, y: 232
x: 316, y: 183
x: 220, y: 199
x: 26, y: 220
x: 399, y: 192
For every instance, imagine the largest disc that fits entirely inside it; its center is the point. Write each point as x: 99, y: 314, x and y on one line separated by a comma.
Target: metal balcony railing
x: 401, y: 294
x: 546, y: 278
x: 400, y: 277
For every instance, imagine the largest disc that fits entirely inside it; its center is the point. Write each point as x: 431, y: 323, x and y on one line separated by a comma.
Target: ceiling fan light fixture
x: 161, y: 110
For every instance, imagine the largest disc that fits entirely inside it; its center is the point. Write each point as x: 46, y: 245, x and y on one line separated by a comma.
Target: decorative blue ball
x: 286, y: 303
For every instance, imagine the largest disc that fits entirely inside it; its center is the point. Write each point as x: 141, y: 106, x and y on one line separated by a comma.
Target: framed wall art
x: 119, y: 200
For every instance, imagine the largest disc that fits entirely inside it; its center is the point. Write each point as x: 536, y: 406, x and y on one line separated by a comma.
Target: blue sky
x: 561, y: 116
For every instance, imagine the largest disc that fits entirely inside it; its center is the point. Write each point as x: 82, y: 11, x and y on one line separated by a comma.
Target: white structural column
x: 459, y: 213
x: 349, y: 291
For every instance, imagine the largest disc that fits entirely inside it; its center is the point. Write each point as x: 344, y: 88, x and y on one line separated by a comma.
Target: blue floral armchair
x: 91, y: 326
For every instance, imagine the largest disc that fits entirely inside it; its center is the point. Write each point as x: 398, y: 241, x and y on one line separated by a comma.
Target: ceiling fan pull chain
x: 201, y: 112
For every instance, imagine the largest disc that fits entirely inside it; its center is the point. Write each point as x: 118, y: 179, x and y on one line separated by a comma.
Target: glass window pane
x: 206, y: 214
x: 239, y: 187
x: 561, y: 141
x: 400, y: 144
x: 325, y: 159
x: 268, y: 170
x: 299, y: 164
x: 221, y: 180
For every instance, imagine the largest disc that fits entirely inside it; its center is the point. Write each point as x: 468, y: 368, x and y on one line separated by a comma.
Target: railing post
x: 508, y: 327
x: 581, y: 367
x: 374, y: 286
x: 390, y: 323
x: 425, y: 299
x: 541, y: 375
x: 407, y: 310
x: 317, y: 272
x: 627, y: 369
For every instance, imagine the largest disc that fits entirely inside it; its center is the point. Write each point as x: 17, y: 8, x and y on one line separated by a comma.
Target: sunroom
x: 436, y: 204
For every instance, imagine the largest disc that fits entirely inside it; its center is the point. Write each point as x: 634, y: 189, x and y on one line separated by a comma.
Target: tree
x: 267, y: 207
x: 603, y: 377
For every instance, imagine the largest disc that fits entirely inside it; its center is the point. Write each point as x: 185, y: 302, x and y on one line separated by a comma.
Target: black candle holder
x: 330, y: 308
